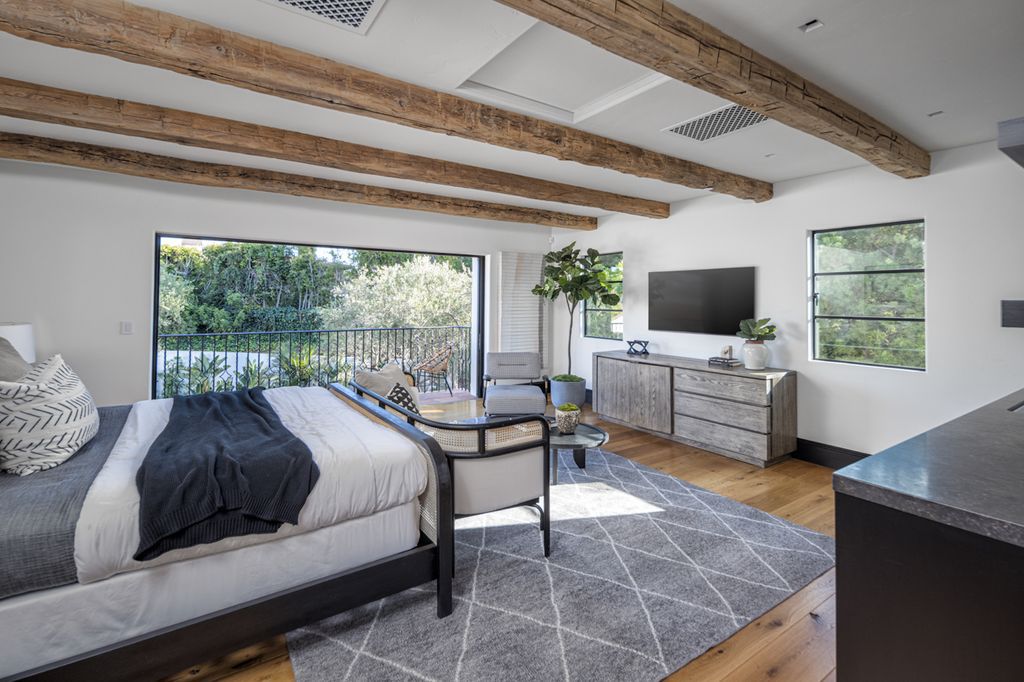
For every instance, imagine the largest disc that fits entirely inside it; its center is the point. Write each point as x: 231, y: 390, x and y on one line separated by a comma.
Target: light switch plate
x: 127, y: 327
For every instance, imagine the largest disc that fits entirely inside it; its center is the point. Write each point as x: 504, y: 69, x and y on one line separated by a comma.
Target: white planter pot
x: 755, y: 355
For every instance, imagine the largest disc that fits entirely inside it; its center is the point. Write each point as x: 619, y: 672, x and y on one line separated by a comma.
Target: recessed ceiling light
x: 940, y: 112
x: 812, y: 25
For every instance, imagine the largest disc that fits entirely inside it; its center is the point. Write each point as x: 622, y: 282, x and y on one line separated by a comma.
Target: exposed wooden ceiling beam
x: 52, y: 105
x: 146, y: 36
x: 171, y: 169
x: 662, y: 37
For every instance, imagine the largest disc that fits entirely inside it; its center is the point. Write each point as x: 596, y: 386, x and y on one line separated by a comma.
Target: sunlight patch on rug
x: 569, y: 501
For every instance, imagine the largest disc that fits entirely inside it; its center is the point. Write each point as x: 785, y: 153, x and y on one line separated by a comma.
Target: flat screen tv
x: 701, y: 301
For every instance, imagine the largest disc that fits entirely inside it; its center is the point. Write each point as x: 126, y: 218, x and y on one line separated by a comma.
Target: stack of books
x: 724, y: 362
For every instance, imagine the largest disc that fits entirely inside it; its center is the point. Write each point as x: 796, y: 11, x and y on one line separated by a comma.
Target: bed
x: 77, y: 605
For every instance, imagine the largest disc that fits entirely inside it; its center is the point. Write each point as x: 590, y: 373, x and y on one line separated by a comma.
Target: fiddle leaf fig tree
x: 577, y: 277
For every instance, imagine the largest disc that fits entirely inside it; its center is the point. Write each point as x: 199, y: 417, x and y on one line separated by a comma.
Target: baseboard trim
x: 830, y: 456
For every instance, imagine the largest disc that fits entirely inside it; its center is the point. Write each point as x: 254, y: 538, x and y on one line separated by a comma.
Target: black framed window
x: 868, y: 295
x: 601, y: 322
x: 238, y: 313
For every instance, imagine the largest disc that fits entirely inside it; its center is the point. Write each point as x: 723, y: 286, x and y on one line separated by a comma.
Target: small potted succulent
x: 567, y: 417
x: 756, y: 332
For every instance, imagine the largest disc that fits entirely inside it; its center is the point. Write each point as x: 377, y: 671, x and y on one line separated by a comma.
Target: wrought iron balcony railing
x: 196, y: 363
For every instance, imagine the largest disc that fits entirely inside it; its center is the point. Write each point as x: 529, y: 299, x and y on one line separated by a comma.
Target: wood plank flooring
x: 795, y: 641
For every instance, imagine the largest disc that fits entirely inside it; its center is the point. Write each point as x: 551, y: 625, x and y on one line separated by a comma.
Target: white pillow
x: 45, y: 417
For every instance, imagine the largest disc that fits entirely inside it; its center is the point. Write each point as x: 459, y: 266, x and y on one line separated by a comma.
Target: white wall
x: 77, y: 254
x: 76, y: 257
x: 973, y: 205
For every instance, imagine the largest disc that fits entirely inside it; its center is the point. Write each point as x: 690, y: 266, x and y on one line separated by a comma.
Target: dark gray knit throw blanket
x: 224, y: 466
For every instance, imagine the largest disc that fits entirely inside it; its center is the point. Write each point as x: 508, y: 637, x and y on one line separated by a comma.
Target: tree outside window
x: 605, y: 322
x: 869, y: 295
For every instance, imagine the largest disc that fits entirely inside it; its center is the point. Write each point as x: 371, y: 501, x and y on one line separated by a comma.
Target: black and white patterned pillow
x: 45, y: 417
x: 401, y: 396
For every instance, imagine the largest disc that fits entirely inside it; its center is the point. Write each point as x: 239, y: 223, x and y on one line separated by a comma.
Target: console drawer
x: 728, y: 412
x: 745, y: 389
x: 722, y: 437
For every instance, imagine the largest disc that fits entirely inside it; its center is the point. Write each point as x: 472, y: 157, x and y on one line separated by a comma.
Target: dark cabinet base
x: 919, y: 600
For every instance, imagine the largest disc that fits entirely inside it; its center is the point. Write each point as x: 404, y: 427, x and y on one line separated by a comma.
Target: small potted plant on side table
x: 567, y: 417
x: 756, y: 332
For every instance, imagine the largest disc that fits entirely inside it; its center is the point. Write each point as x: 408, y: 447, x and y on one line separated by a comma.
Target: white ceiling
x: 897, y: 59
x: 549, y: 66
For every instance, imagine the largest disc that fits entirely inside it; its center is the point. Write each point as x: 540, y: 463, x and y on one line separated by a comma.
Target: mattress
x: 50, y: 625
x: 364, y: 467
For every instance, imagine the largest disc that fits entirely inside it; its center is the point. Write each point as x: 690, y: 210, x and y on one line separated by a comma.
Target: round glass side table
x: 585, y: 436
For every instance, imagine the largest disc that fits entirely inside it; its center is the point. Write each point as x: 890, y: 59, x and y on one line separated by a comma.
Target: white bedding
x: 365, y: 468
x: 50, y: 625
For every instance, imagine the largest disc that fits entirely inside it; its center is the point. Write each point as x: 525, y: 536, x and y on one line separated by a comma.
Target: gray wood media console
x: 744, y: 414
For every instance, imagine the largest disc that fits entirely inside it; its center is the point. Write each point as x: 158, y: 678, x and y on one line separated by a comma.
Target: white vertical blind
x: 524, y: 318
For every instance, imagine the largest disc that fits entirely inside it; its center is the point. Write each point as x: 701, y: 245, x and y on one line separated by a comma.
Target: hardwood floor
x: 795, y: 641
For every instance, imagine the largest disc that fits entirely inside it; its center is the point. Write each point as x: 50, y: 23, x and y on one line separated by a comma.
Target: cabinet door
x: 649, y: 395
x: 612, y: 392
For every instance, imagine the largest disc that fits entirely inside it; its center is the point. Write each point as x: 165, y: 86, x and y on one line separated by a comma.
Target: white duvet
x: 364, y: 468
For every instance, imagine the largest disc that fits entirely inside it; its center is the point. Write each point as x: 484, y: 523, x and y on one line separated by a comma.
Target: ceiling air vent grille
x: 719, y: 122
x: 354, y: 15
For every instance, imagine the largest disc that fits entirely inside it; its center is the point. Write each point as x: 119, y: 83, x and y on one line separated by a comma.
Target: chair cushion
x: 45, y: 417
x: 489, y: 483
x: 515, y: 399
x: 508, y: 365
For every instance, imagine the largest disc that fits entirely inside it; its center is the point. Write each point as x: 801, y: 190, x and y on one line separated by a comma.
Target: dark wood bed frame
x: 175, y: 648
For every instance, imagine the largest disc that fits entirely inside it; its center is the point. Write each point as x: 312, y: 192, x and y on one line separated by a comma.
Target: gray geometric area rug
x: 646, y: 573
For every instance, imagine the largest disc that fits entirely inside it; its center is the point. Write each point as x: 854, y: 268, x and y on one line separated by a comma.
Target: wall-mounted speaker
x: 1013, y: 313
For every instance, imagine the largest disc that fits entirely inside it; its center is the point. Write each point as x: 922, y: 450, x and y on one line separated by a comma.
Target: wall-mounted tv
x: 701, y: 301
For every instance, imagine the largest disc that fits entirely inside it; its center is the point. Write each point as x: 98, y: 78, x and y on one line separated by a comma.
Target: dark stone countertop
x: 967, y: 473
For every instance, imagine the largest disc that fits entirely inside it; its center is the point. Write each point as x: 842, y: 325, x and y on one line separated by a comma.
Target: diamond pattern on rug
x: 646, y: 573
